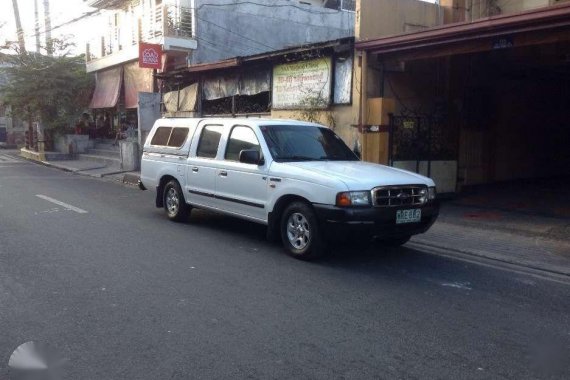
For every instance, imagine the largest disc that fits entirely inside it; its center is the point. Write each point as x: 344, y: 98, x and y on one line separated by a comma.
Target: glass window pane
x: 241, y: 138
x: 161, y: 136
x: 342, y: 80
x: 305, y: 143
x: 209, y: 141
x: 178, y: 137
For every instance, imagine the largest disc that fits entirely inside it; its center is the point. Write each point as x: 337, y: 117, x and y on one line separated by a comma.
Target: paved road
x: 125, y: 294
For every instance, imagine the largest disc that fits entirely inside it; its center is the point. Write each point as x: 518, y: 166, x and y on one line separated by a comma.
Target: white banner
x: 305, y: 84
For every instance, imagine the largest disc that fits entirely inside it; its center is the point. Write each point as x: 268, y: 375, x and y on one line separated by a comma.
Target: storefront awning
x: 136, y: 80
x: 107, y: 88
x: 520, y: 29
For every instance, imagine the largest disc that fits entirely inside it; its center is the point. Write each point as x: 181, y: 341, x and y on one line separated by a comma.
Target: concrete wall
x: 72, y: 144
x: 378, y: 18
x: 239, y: 29
x: 514, y: 6
x: 470, y: 10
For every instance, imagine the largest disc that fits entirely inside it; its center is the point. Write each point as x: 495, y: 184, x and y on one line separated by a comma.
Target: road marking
x: 6, y: 159
x: 458, y: 285
x: 62, y: 204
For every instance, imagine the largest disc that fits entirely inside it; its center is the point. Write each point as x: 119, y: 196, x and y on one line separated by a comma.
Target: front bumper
x: 341, y: 222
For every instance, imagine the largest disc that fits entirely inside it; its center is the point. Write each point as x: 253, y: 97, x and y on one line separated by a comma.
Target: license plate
x: 408, y: 216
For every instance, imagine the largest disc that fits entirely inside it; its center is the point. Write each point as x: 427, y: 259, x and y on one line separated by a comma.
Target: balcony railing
x: 167, y: 21
x: 152, y: 25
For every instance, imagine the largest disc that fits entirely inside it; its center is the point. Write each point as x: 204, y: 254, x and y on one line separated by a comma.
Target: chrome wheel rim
x: 172, y: 201
x: 298, y: 231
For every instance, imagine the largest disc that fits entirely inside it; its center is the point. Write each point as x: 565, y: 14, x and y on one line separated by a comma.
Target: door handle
x: 223, y: 173
x: 195, y: 169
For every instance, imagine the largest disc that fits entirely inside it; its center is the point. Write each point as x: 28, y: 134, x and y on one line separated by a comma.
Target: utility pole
x: 19, y: 30
x: 37, y: 25
x: 47, y: 22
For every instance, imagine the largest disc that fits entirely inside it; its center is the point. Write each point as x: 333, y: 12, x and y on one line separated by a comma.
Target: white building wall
x: 233, y: 28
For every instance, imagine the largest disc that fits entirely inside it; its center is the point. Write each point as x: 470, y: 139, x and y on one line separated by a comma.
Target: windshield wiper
x: 336, y: 158
x: 299, y: 158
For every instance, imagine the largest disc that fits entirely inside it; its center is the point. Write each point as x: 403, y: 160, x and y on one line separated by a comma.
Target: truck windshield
x: 305, y: 143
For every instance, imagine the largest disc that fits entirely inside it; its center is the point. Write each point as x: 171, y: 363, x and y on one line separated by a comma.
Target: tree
x: 314, y: 108
x: 53, y: 90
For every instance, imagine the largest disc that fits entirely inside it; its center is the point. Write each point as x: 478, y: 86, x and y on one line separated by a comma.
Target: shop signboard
x: 150, y: 56
x: 305, y: 84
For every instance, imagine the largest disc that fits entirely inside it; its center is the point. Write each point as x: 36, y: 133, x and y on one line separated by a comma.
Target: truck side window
x: 161, y: 136
x: 177, y: 137
x: 241, y: 138
x: 209, y: 141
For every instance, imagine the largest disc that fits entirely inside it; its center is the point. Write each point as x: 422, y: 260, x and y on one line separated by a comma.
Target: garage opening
x: 482, y: 117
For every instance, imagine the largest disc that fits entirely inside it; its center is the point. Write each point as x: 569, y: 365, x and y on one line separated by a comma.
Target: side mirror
x: 250, y: 156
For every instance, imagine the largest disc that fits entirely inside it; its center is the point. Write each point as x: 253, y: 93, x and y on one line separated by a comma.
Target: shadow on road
x: 348, y: 255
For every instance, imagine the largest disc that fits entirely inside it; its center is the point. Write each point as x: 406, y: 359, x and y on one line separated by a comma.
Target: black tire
x: 300, y: 232
x: 174, y: 204
x: 395, y: 242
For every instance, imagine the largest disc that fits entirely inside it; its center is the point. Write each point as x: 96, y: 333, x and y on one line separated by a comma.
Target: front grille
x: 391, y: 196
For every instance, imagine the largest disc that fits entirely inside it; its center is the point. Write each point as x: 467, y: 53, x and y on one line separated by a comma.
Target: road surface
x: 91, y: 268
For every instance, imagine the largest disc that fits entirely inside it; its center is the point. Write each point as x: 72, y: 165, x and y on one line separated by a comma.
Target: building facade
x: 195, y: 32
x: 312, y: 82
x: 477, y: 90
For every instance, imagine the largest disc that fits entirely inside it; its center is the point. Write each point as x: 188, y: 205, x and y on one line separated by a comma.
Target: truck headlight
x: 431, y: 193
x: 353, y: 198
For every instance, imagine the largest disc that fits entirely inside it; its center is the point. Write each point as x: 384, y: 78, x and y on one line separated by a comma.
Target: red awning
x: 107, y: 88
x: 136, y: 80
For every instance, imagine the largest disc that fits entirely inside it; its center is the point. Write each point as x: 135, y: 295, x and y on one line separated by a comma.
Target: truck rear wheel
x: 174, y: 204
x: 300, y: 232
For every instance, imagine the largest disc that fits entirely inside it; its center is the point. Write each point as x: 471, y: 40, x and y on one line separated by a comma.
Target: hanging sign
x: 150, y: 56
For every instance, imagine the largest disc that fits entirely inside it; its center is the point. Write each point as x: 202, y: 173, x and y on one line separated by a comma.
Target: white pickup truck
x: 298, y: 178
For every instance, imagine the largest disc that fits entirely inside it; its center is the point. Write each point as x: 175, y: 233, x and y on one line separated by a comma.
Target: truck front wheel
x: 300, y: 232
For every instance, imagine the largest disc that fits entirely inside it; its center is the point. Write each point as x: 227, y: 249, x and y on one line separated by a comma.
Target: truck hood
x: 359, y: 175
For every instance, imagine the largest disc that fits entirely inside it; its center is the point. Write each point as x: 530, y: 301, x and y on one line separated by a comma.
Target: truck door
x: 242, y: 188
x: 203, y: 166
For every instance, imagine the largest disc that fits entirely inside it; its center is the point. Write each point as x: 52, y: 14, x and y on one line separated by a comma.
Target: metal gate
x: 419, y: 139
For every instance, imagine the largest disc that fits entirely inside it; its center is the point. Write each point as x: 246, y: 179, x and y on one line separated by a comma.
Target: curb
x: 74, y: 171
x: 45, y: 163
x: 480, y: 257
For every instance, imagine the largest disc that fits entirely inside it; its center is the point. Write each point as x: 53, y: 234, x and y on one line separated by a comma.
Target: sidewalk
x: 94, y: 169
x: 102, y: 168
x: 522, y: 250
x: 525, y: 224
